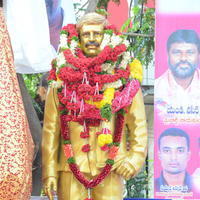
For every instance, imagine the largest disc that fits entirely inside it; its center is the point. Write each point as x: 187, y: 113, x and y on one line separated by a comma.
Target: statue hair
x: 92, y: 18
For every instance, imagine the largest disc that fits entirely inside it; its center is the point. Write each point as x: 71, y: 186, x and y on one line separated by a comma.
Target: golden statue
x: 94, y: 128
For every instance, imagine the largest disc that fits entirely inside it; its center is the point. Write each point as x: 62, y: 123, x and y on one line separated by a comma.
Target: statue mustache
x: 96, y: 44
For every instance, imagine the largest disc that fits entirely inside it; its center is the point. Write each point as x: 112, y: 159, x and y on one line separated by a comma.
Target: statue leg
x: 69, y: 188
x: 110, y: 189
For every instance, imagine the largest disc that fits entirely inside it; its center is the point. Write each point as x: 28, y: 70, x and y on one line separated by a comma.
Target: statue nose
x: 91, y: 37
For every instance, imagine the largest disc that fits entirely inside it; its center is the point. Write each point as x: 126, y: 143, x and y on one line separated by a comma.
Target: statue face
x: 91, y: 36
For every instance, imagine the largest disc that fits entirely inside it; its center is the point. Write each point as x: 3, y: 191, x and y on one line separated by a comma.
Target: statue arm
x: 136, y: 122
x: 50, y: 136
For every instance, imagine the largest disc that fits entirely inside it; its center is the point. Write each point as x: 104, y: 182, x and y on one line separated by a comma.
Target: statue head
x: 90, y: 28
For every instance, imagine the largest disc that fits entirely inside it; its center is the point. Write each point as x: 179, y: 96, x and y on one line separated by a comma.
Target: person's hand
x: 50, y: 187
x: 126, y: 170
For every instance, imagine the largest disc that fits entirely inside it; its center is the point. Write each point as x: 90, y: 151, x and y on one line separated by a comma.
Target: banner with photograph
x: 177, y: 100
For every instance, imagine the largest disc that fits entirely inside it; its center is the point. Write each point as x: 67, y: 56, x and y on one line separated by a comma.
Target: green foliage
x: 67, y: 142
x: 31, y: 82
x: 110, y: 162
x: 126, y: 24
x: 71, y: 160
x: 142, y: 22
x: 101, y: 12
x: 76, y: 5
x: 138, y: 186
x: 106, y: 111
x: 104, y: 3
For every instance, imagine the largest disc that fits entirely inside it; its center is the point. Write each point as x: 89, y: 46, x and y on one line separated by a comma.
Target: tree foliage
x: 138, y: 186
x: 104, y: 3
x: 140, y: 28
x: 32, y: 81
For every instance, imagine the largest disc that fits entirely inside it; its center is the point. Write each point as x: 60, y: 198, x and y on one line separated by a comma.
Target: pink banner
x: 177, y: 106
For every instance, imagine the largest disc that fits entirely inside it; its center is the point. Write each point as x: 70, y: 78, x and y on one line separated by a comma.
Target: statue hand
x: 50, y: 187
x: 126, y: 170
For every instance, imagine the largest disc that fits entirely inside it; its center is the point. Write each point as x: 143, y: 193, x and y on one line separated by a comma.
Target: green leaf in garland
x: 59, y: 90
x: 106, y: 112
x: 63, y: 65
x: 119, y: 61
x: 123, y: 81
x: 71, y: 160
x: 109, y: 61
x: 54, y: 63
x: 116, y: 144
x: 66, y: 142
x: 110, y: 144
x: 103, y: 72
x: 63, y: 32
x: 75, y: 38
x: 63, y: 112
x: 110, y: 162
x: 121, y: 111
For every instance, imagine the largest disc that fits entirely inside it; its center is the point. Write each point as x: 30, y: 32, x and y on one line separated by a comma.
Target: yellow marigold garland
x: 108, y: 96
x: 136, y: 70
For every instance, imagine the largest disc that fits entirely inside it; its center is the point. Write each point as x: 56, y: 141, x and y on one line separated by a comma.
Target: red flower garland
x: 86, y: 148
x: 106, y: 170
x: 84, y: 63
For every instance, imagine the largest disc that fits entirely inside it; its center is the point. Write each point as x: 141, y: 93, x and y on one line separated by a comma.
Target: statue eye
x: 85, y: 34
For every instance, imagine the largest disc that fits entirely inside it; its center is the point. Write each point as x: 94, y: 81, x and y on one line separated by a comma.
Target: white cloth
x: 69, y: 15
x: 29, y: 32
